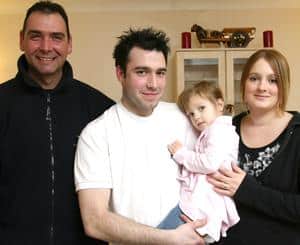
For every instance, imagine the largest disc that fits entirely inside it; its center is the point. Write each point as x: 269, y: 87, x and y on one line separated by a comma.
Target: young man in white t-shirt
x: 124, y: 174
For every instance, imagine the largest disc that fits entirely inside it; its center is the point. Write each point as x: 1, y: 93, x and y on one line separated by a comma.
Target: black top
x: 268, y: 200
x: 255, y: 160
x: 38, y: 136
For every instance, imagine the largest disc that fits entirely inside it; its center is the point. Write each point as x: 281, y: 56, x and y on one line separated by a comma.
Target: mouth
x: 45, y: 59
x: 150, y: 95
x: 261, y: 96
x: 200, y: 124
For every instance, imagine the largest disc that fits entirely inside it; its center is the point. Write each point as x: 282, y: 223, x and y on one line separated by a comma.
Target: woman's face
x: 261, y: 88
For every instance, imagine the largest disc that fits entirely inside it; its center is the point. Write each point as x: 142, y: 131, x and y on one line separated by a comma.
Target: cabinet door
x: 194, y: 66
x: 235, y: 61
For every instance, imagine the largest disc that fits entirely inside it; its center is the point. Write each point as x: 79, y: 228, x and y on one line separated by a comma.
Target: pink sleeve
x: 221, y: 146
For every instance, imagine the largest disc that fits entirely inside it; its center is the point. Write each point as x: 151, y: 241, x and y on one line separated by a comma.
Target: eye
x: 35, y: 36
x: 58, y: 37
x: 253, y: 78
x: 201, y: 108
x: 141, y: 73
x: 272, y: 80
x: 161, y: 73
x: 190, y: 114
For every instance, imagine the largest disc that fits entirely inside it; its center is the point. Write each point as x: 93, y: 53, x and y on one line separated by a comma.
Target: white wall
x: 95, y: 30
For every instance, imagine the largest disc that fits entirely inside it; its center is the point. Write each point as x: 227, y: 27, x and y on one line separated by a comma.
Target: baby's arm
x: 174, y: 147
x: 220, y: 147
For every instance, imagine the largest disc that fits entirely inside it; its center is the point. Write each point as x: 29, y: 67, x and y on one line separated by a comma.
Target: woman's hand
x: 225, y: 181
x: 174, y: 147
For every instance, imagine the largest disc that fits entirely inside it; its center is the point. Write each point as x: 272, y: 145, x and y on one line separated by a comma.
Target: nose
x: 196, y: 115
x: 152, y: 81
x: 45, y: 44
x: 262, y: 85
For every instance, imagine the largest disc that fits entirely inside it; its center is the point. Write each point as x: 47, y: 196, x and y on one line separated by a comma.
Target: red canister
x: 268, y: 39
x: 186, y: 40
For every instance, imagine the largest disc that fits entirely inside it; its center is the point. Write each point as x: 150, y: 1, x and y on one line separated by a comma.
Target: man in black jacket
x: 42, y: 112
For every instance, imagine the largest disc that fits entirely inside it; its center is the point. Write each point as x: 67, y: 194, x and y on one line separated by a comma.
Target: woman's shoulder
x: 295, y: 115
x: 236, y: 120
x: 295, y: 119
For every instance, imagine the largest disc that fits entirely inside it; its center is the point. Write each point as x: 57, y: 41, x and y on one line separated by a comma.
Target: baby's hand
x: 174, y: 147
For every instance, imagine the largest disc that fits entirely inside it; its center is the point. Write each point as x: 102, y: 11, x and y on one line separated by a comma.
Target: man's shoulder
x: 92, y: 96
x: 7, y: 89
x: 86, y: 88
x: 168, y: 107
x: 107, y: 116
x: 7, y: 84
x: 103, y: 122
x: 170, y: 110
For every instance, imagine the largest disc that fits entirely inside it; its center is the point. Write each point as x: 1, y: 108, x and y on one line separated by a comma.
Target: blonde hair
x: 280, y: 67
x: 204, y: 89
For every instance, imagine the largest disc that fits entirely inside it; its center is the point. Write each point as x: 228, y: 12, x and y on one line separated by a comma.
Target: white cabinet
x: 222, y: 66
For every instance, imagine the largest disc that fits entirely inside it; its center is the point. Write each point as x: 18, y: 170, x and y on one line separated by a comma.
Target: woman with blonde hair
x: 266, y: 185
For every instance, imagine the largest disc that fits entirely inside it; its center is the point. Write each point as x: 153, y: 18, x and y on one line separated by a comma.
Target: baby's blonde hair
x: 204, y: 89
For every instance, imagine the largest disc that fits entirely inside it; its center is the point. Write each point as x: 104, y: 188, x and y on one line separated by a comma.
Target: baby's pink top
x: 216, y: 146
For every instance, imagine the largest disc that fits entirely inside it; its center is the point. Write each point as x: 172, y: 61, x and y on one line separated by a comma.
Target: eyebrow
x: 255, y: 73
x: 148, y: 68
x: 162, y: 69
x: 51, y: 33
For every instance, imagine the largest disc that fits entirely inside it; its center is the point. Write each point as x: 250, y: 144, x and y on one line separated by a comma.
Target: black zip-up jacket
x: 38, y: 136
x: 269, y: 205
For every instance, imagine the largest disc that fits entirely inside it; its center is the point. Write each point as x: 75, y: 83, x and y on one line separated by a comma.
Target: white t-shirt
x: 128, y: 154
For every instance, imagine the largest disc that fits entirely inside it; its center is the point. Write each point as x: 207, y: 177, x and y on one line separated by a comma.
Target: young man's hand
x: 187, y: 234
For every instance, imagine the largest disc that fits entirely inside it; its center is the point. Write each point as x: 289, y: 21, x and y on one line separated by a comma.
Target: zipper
x: 52, y: 164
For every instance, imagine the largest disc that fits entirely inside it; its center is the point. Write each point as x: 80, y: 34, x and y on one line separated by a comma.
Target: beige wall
x: 95, y: 32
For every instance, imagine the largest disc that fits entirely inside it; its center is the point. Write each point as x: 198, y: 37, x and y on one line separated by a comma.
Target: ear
x: 21, y: 40
x: 70, y: 45
x: 120, y: 74
x: 220, y: 105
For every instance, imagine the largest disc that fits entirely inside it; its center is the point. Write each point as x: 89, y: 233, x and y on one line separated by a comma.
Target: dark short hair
x: 48, y: 7
x: 146, y: 38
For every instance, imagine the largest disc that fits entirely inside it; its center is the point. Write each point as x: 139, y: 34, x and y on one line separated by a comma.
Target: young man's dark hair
x: 147, y: 39
x: 47, y: 7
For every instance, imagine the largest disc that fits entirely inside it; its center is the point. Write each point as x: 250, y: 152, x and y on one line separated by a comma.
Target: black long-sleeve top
x: 269, y: 204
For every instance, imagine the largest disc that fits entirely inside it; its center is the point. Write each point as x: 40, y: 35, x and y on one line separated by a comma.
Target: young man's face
x: 46, y: 45
x: 144, y: 81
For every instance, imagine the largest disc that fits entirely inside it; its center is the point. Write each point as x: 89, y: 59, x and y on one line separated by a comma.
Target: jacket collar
x: 23, y: 76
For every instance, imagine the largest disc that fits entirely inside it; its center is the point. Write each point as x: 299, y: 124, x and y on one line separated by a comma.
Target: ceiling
x: 19, y: 6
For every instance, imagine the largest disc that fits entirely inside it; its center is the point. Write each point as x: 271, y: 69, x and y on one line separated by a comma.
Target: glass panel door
x: 196, y: 70
x: 238, y: 66
x: 236, y: 61
x: 193, y: 67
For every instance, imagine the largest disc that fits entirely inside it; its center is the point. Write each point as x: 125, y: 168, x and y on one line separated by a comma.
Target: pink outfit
x: 216, y: 146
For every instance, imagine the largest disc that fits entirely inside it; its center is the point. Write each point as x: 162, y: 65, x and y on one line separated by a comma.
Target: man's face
x: 46, y: 45
x: 144, y: 82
